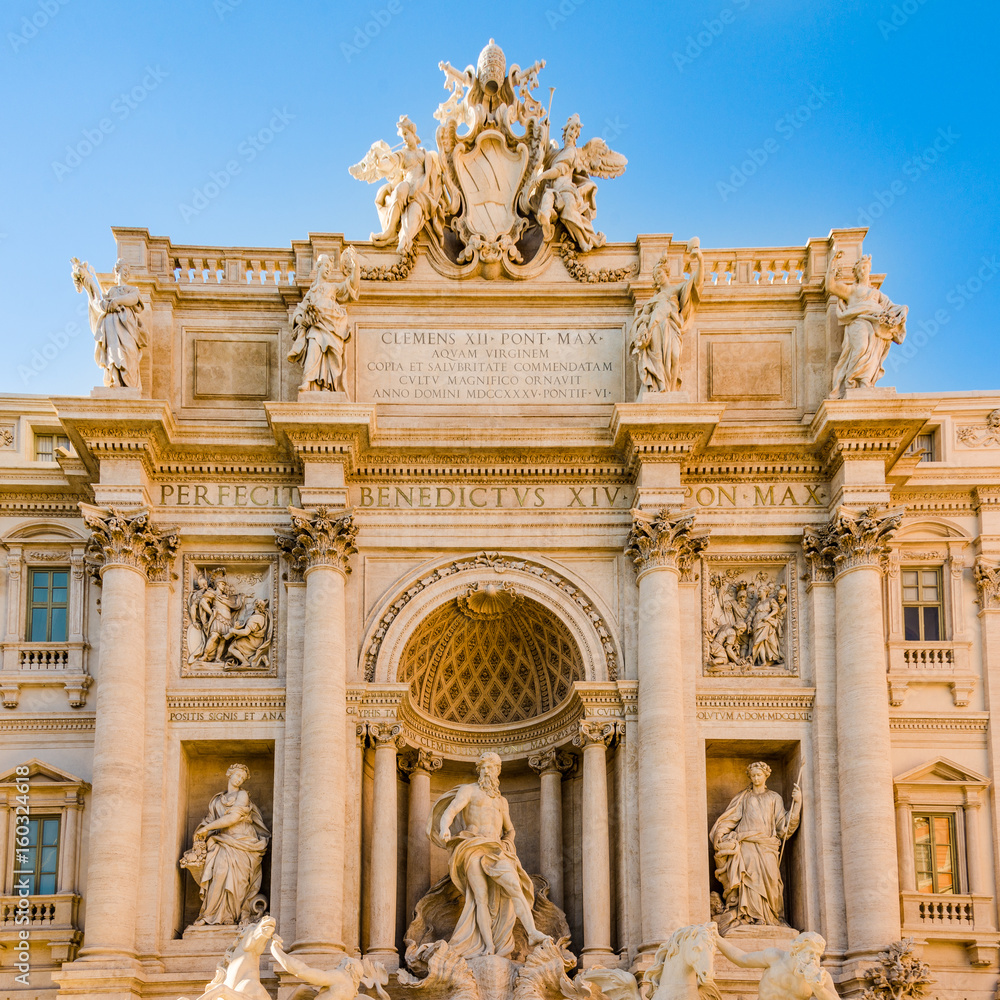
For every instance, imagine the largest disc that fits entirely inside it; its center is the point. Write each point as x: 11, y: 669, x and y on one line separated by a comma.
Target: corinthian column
x: 663, y: 549
x: 550, y: 767
x: 382, y: 891
x: 418, y: 764
x: 593, y: 738
x: 124, y: 549
x: 857, y: 544
x: 320, y: 544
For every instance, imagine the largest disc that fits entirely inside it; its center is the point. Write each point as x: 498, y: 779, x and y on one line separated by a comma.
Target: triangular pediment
x: 941, y: 770
x: 39, y: 771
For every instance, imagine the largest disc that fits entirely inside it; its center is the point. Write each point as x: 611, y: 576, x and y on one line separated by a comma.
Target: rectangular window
x: 46, y: 444
x: 923, y: 608
x: 934, y: 852
x: 39, y: 861
x: 48, y: 601
x: 924, y: 442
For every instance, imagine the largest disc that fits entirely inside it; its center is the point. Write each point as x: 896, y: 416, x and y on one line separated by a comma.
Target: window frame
x: 940, y: 603
x: 49, y: 605
x: 958, y: 886
x: 37, y: 874
x: 59, y: 439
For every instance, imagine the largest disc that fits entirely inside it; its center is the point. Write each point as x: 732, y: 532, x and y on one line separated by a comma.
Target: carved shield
x: 490, y: 175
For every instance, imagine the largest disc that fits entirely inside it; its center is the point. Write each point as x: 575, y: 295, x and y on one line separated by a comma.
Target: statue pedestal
x: 677, y: 396
x: 114, y: 392
x: 321, y: 396
x: 207, y: 939
x: 869, y: 392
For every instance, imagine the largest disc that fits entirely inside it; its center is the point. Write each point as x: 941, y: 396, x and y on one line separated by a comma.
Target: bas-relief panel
x: 230, y: 604
x: 750, y: 616
x: 496, y: 365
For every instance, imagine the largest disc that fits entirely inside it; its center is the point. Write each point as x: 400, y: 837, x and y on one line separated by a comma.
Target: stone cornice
x: 320, y: 537
x: 127, y: 538
x: 665, y: 540
x: 663, y: 431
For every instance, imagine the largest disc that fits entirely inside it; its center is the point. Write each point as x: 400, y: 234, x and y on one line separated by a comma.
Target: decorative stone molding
x: 497, y: 563
x: 320, y: 537
x: 982, y: 435
x: 551, y: 760
x: 900, y: 975
x: 988, y: 582
x: 420, y: 759
x: 850, y: 540
x: 391, y: 272
x: 592, y: 732
x: 384, y: 733
x: 665, y: 540
x: 127, y: 538
x: 580, y: 272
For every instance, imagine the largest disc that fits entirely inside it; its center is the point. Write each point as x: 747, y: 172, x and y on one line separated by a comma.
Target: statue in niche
x: 484, y: 866
x: 795, y: 974
x: 320, y: 326
x: 225, y: 860
x: 872, y: 323
x: 658, y: 325
x: 748, y: 839
x: 115, y: 322
x: 564, y: 191
x: 414, y: 190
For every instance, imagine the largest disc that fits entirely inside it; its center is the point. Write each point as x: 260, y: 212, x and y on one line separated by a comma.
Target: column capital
x: 596, y: 732
x: 851, y: 539
x: 988, y: 582
x: 550, y: 761
x: 322, y: 536
x: 384, y: 734
x: 419, y: 759
x: 127, y: 538
x: 664, y: 540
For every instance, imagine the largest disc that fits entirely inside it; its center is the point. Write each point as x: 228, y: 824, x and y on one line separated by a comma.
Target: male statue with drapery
x: 484, y: 866
x: 747, y: 839
x: 229, y: 846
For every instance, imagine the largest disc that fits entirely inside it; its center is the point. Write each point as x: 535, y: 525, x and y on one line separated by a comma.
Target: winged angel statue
x: 494, y: 177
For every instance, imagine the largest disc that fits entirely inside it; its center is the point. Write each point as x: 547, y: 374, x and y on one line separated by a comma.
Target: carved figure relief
x: 494, y: 193
x: 229, y: 606
x: 982, y: 436
x: 225, y: 859
x: 871, y: 322
x: 116, y: 323
x: 749, y: 618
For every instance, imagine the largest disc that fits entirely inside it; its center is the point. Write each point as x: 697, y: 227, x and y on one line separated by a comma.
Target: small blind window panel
x: 923, y: 609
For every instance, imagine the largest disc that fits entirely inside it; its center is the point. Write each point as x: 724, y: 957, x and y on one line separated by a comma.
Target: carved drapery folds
x: 127, y: 538
x: 665, y: 540
x: 851, y: 539
x: 988, y: 582
x: 320, y: 537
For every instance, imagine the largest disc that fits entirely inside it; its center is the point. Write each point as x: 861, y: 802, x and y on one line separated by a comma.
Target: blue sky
x: 901, y: 135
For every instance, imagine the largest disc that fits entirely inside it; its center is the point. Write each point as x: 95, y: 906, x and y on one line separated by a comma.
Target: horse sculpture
x: 682, y: 969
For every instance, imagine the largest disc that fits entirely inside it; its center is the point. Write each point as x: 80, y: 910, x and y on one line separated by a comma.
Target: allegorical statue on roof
x: 872, y: 324
x: 496, y: 190
x: 116, y: 323
x: 320, y: 325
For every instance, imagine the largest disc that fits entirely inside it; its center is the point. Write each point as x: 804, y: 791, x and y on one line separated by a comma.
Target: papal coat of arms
x: 497, y: 190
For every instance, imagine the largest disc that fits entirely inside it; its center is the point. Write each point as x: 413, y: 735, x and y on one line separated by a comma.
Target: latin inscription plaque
x: 490, y: 366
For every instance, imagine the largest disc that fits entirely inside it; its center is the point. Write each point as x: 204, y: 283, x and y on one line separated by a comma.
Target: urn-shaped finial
x: 491, y: 68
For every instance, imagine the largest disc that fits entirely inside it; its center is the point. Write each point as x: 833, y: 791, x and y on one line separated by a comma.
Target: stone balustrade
x: 207, y: 266
x: 966, y: 919
x: 931, y: 663
x: 53, y: 923
x: 44, y: 664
